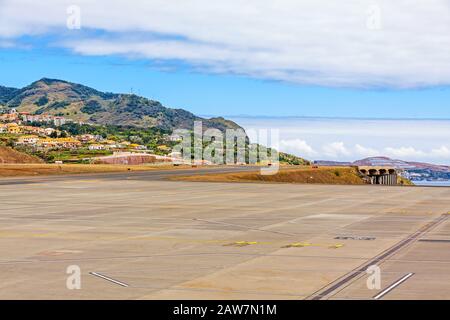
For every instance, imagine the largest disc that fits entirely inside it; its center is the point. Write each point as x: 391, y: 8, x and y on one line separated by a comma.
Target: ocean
x: 445, y: 183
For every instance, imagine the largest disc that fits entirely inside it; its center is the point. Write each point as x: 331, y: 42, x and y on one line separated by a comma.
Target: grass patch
x: 327, y: 175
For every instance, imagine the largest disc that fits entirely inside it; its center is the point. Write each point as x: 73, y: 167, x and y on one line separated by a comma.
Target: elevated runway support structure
x: 380, y: 174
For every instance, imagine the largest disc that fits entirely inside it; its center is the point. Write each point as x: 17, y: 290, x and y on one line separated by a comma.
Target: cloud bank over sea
x: 353, y: 139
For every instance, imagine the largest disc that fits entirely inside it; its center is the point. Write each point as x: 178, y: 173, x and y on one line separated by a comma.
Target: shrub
x: 42, y: 101
x: 91, y: 107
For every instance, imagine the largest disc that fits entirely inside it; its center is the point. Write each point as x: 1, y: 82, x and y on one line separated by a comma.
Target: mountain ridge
x: 386, y: 161
x: 415, y: 171
x: 86, y: 104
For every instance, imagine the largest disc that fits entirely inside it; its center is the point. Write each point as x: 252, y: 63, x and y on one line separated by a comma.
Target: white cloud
x: 336, y: 149
x: 412, y: 140
x: 297, y: 146
x: 442, y: 152
x: 411, y: 153
x: 404, y: 152
x: 366, y: 152
x: 303, y: 41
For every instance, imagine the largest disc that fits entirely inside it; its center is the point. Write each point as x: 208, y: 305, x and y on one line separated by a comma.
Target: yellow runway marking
x: 307, y: 244
x: 240, y: 243
x: 223, y: 242
x: 298, y: 245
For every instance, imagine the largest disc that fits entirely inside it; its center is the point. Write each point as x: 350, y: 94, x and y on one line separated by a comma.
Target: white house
x: 96, y: 147
x: 49, y: 131
x: 31, y: 140
x: 175, y: 137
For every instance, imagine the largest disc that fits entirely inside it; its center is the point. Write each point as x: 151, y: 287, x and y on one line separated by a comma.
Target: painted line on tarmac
x: 123, y: 284
x: 243, y: 226
x: 341, y: 283
x: 393, y: 286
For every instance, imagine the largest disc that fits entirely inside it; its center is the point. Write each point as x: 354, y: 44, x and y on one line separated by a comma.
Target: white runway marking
x: 393, y: 286
x: 109, y: 279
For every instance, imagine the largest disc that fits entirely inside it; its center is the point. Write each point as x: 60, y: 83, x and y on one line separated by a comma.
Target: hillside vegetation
x: 82, y: 103
x: 9, y: 155
x: 114, y: 117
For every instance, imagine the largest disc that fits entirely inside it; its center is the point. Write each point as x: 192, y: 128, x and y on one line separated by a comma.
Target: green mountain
x: 117, y: 111
x: 7, y: 94
x: 82, y: 103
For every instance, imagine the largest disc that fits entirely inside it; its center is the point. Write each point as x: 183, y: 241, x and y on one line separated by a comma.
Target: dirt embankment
x: 9, y: 155
x: 328, y: 175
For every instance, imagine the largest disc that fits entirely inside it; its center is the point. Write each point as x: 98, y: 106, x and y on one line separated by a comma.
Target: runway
x: 150, y: 175
x: 188, y: 240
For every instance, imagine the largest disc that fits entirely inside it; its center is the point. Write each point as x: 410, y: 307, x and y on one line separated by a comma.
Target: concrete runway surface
x: 137, y: 236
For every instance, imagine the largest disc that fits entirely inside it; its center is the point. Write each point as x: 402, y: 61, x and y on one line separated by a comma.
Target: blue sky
x: 357, y: 58
x: 270, y: 60
x: 218, y: 94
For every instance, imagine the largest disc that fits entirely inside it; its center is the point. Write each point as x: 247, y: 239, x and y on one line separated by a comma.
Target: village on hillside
x: 57, y: 139
x: 40, y: 134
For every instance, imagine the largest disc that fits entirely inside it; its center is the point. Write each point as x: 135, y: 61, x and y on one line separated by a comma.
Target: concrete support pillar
x: 388, y: 179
